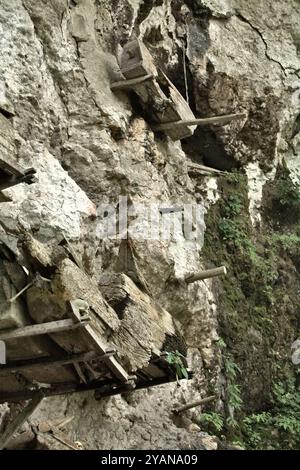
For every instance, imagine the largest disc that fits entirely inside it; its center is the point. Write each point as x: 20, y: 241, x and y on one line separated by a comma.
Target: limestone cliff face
x: 90, y: 146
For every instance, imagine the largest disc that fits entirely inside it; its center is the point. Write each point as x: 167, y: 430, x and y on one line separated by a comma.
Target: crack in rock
x: 257, y: 30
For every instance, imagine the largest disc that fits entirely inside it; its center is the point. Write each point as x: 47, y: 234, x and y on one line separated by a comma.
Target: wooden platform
x: 65, y: 333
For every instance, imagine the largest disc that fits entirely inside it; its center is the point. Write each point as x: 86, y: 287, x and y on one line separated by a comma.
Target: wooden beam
x: 73, y: 387
x: 20, y: 420
x: 11, y: 166
x: 18, y: 366
x: 44, y: 328
x: 27, y: 177
x: 197, y: 168
x: 199, y: 276
x: 199, y: 122
x: 125, y: 84
x: 12, y: 299
x: 96, y: 341
x: 153, y: 382
x: 188, y: 406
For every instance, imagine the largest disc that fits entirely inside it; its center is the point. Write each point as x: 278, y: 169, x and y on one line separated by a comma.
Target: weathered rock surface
x: 91, y: 146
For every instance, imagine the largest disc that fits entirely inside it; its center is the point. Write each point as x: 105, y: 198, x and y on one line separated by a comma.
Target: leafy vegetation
x: 176, y: 359
x: 287, y: 192
x: 287, y: 241
x: 278, y: 428
x: 258, y: 310
x: 213, y: 422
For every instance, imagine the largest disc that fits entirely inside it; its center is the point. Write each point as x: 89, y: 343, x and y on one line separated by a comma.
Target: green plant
x: 283, y: 419
x: 214, y: 421
x: 231, y: 369
x: 233, y: 392
x: 286, y: 241
x: 287, y: 192
x: 176, y: 359
x: 221, y: 343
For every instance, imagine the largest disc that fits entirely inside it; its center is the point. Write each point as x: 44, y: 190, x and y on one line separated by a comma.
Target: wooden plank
x: 193, y: 277
x: 226, y: 119
x: 18, y: 366
x: 96, y: 341
x: 27, y: 177
x: 44, y: 329
x: 114, y: 388
x: 20, y: 420
x: 127, y: 84
x: 188, y: 406
x: 195, y: 168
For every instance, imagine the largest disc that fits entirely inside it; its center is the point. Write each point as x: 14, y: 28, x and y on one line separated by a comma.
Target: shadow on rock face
x: 205, y: 147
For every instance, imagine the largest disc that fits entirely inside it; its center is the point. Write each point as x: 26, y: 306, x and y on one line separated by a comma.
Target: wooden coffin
x: 160, y: 98
x: 90, y: 337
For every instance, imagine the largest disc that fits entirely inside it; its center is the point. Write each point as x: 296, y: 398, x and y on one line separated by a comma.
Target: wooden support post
x: 20, y: 420
x: 125, y: 84
x: 111, y: 362
x: 21, y: 292
x: 44, y: 328
x: 221, y: 271
x: 188, y: 406
x: 199, y: 122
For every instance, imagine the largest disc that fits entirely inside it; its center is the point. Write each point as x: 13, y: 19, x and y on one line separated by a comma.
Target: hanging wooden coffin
x: 159, y: 97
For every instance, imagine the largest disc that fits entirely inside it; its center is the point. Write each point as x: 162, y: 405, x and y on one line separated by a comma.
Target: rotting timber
x: 168, y: 111
x: 67, y: 333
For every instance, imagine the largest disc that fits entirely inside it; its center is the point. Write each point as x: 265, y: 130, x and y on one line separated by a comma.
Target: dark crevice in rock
x: 120, y: 306
x: 145, y: 9
x: 205, y: 147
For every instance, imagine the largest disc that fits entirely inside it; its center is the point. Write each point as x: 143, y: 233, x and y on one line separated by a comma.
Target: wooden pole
x: 199, y: 122
x: 21, y: 292
x: 44, y: 329
x: 199, y: 276
x: 188, y: 406
x: 196, y: 167
x: 123, y: 84
x: 20, y: 420
x: 18, y: 366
